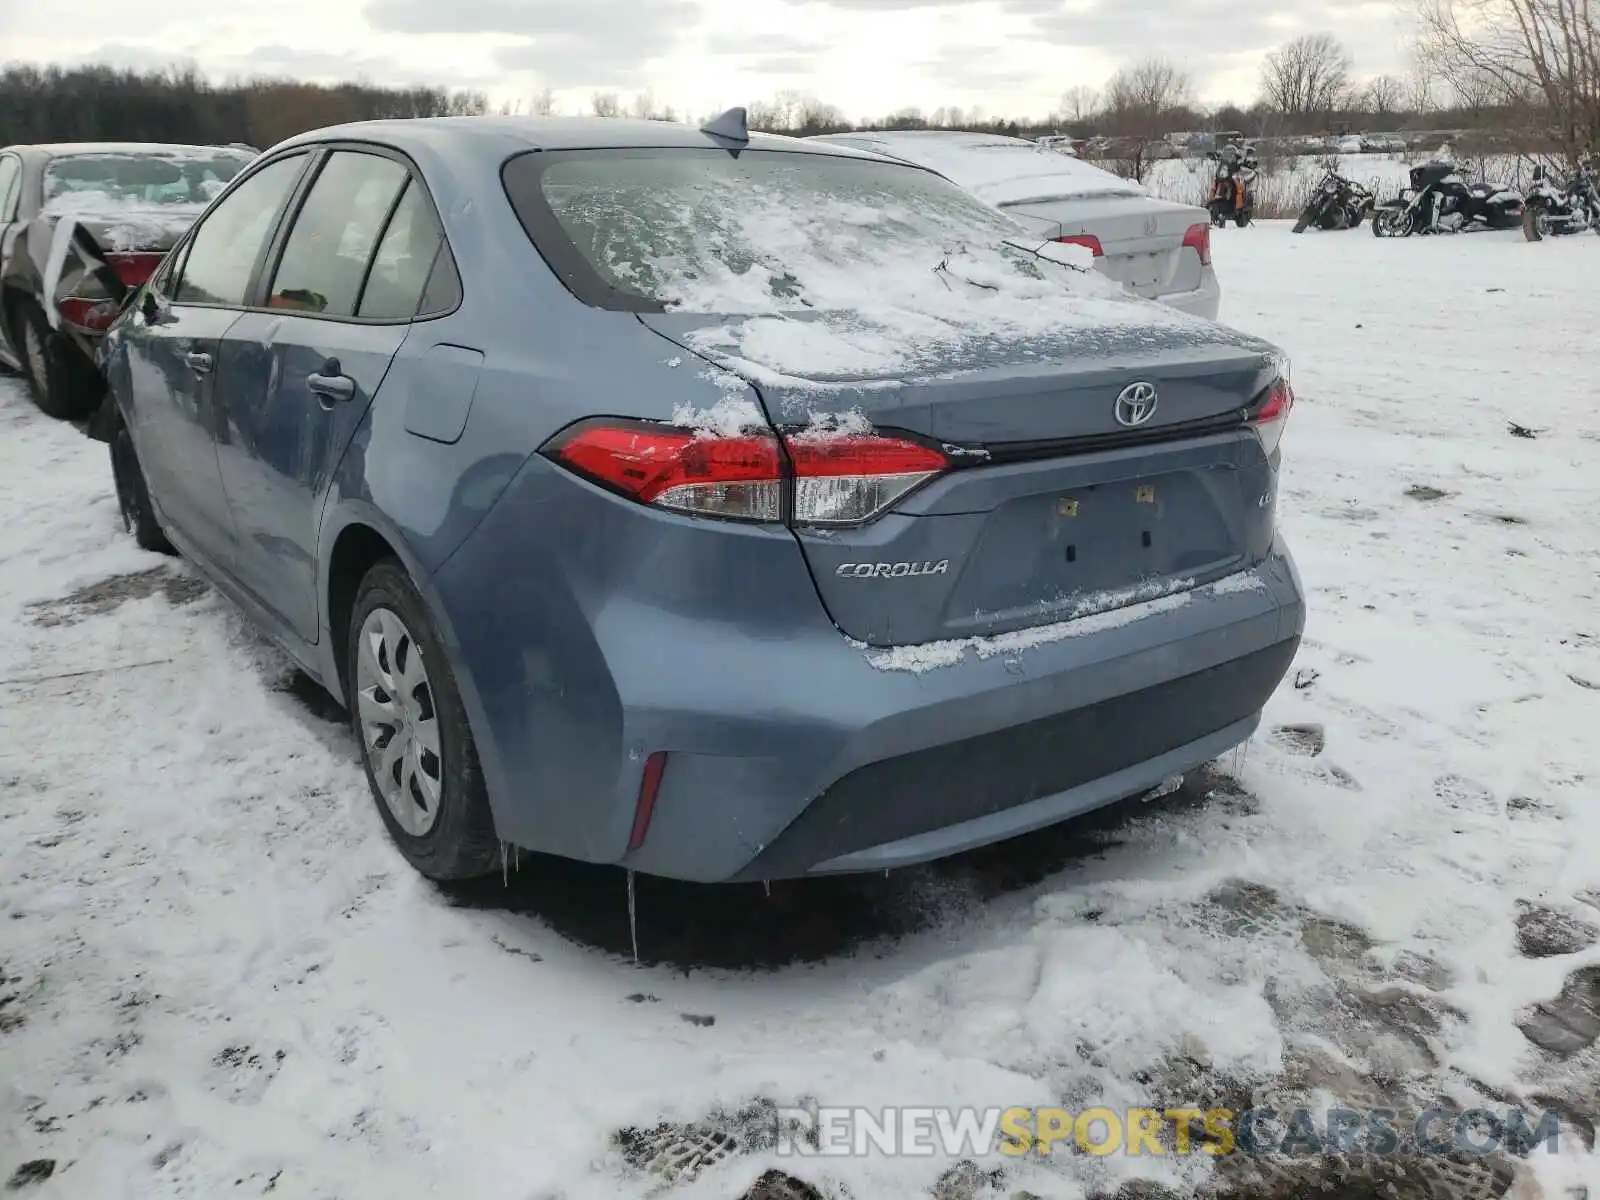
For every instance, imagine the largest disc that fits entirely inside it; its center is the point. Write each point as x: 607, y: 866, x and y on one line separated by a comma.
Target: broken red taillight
x: 1087, y: 240
x: 95, y: 311
x: 89, y: 316
x: 1271, y: 413
x: 135, y: 267
x: 842, y: 477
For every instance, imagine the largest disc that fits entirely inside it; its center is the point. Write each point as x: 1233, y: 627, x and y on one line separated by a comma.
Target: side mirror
x: 149, y: 307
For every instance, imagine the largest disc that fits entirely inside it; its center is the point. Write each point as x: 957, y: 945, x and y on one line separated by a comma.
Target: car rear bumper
x: 1205, y: 301
x: 988, y: 748
x: 791, y: 750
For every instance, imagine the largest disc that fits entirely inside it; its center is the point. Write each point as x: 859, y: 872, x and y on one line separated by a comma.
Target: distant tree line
x: 1492, y: 79
x: 82, y: 104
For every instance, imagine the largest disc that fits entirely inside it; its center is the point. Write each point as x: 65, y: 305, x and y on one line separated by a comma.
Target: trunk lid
x: 1142, y: 237
x: 1054, y: 508
x: 124, y: 227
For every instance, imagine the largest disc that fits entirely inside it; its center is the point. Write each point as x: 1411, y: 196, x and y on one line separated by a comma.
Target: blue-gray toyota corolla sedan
x: 722, y: 506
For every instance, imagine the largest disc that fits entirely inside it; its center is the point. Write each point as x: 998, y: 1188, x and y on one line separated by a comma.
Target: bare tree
x: 544, y: 104
x: 1307, y: 79
x: 1080, y: 103
x: 606, y: 104
x: 1144, y: 101
x: 1384, y: 95
x: 1539, y: 54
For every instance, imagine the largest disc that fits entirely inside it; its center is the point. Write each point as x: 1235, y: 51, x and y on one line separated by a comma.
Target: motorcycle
x: 1557, y: 209
x: 1440, y: 201
x: 1338, y: 203
x: 1233, y: 195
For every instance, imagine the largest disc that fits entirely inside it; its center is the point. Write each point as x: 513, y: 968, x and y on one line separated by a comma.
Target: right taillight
x: 1271, y: 413
x: 1198, y: 238
x: 830, y: 478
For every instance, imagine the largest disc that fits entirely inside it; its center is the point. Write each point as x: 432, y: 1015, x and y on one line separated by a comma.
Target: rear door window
x: 326, y: 256
x: 405, y: 259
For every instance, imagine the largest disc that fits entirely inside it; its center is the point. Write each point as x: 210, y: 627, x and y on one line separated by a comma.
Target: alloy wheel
x: 399, y: 725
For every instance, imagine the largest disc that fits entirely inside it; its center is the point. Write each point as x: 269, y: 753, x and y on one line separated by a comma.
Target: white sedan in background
x: 1154, y: 248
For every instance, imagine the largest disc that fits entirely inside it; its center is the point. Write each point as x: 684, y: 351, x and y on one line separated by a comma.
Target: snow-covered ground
x: 218, y: 979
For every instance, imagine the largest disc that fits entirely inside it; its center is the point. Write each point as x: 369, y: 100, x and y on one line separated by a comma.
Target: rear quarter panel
x: 547, y: 361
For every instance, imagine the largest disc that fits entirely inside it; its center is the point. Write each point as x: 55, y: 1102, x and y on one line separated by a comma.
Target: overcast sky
x: 1012, y: 57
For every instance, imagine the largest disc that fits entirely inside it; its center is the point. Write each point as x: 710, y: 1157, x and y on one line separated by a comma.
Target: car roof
x: 1001, y: 170
x: 504, y: 135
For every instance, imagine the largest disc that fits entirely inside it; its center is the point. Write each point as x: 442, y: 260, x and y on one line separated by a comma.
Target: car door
x: 10, y: 189
x: 299, y: 372
x: 172, y: 344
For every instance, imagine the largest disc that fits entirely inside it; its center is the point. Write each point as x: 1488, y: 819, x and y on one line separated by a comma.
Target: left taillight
x: 1198, y: 239
x: 1087, y: 240
x: 1271, y: 413
x: 833, y: 478
x: 91, y: 308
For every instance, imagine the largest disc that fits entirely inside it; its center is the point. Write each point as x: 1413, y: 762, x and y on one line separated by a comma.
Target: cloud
x: 567, y: 43
x: 1199, y: 33
x: 763, y: 43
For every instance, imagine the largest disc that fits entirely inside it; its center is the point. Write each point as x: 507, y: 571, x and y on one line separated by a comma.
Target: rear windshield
x: 156, y: 177
x: 704, y: 231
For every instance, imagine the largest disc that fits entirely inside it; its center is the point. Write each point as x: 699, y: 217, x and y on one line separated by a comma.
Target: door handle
x: 199, y: 361
x: 331, y: 386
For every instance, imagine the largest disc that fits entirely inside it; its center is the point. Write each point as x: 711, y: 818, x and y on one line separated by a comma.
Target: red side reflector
x: 1084, y: 239
x: 1199, y: 237
x: 649, y: 786
x: 135, y: 267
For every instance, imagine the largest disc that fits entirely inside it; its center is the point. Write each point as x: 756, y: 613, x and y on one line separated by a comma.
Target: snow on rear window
x: 189, y: 177
x: 819, y: 267
x: 704, y: 231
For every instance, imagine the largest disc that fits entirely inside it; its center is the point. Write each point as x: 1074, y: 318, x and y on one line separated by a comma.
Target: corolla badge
x: 899, y: 570
x: 1135, y: 404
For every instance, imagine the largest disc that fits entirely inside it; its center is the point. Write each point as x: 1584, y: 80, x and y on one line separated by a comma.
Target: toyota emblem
x: 1135, y: 404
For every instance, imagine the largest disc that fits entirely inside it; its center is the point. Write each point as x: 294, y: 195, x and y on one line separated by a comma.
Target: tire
x: 64, y: 384
x: 1392, y: 222
x: 1242, y: 219
x: 1530, y: 224
x: 1306, y: 217
x: 400, y: 687
x: 133, y: 495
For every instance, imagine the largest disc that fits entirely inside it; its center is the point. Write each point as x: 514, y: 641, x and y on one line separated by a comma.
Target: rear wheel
x: 1307, y: 215
x: 133, y: 495
x: 422, y: 763
x: 65, y: 385
x: 1242, y: 218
